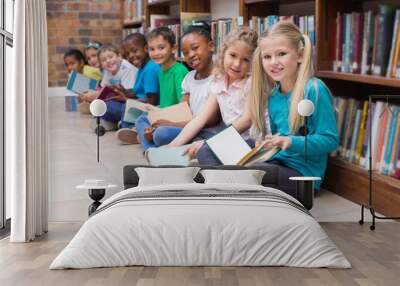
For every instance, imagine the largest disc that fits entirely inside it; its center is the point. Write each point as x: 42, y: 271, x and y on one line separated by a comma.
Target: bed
x: 195, y: 224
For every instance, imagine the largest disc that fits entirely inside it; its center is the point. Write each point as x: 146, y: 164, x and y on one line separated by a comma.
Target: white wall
x: 224, y: 9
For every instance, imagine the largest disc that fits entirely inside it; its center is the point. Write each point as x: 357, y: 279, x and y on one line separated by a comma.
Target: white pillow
x: 248, y: 177
x: 165, y: 176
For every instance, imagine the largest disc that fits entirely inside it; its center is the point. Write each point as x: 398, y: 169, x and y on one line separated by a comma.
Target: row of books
x: 306, y: 24
x: 355, y: 129
x: 133, y: 9
x: 368, y: 43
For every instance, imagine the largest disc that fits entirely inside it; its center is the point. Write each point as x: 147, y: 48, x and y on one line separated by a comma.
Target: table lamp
x: 98, y: 108
x: 305, y: 185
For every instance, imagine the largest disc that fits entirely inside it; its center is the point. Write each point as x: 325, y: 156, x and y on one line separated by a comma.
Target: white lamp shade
x: 305, y: 107
x: 98, y: 107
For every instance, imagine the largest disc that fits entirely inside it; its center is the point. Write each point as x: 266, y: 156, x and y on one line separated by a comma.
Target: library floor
x: 375, y: 256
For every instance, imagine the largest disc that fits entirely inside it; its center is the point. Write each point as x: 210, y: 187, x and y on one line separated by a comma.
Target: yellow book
x: 361, y: 134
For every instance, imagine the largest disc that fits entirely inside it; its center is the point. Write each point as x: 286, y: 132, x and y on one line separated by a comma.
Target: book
x: 168, y: 156
x: 107, y: 93
x: 176, y: 113
x: 134, y: 108
x: 237, y: 151
x: 79, y: 83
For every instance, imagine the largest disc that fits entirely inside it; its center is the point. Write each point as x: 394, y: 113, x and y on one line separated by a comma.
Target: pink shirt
x: 231, y: 99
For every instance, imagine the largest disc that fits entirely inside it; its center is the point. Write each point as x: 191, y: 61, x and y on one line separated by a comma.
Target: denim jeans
x: 115, y: 113
x: 141, y: 123
x: 163, y: 135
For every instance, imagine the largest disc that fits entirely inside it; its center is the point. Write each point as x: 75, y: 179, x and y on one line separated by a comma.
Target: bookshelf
x: 342, y: 177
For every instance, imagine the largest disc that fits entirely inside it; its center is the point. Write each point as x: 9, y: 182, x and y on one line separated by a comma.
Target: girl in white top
x: 197, y: 47
x: 228, y: 89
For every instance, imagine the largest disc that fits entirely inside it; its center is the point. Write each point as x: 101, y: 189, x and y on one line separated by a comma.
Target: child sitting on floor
x: 146, y: 86
x: 91, y: 50
x: 75, y: 61
x: 117, y: 72
x: 162, y: 47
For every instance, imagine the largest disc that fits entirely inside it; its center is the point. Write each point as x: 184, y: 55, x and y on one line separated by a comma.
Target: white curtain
x: 26, y: 123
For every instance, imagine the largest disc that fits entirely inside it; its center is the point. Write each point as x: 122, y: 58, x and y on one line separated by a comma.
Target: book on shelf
x: 159, y: 20
x: 354, y: 123
x: 237, y: 151
x: 79, y: 83
x: 367, y: 42
x: 133, y: 9
x: 191, y: 18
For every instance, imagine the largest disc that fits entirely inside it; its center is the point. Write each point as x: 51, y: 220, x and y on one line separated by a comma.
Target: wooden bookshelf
x: 343, y: 178
x: 351, y: 182
x: 133, y: 23
x: 358, y: 78
x: 163, y: 7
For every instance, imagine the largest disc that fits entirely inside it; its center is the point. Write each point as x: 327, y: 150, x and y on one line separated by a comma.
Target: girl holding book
x: 227, y: 92
x: 282, y: 76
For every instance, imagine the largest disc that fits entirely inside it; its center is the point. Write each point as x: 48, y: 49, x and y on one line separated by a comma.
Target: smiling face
x: 73, y: 64
x: 280, y: 60
x: 197, y: 51
x: 135, y: 53
x: 91, y: 57
x: 237, y: 61
x: 161, y: 51
x: 110, y: 61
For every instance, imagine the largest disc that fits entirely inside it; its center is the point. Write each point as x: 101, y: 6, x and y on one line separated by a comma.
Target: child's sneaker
x: 83, y: 108
x: 127, y: 136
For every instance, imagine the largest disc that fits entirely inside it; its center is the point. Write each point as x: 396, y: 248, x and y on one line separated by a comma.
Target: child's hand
x: 283, y: 142
x: 148, y: 133
x: 122, y: 92
x: 162, y: 122
x: 193, y: 149
x: 89, y: 95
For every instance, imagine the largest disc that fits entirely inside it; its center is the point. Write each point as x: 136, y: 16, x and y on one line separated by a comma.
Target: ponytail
x: 305, y: 72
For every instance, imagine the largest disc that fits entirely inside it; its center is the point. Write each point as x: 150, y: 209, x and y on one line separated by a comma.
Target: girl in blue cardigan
x: 282, y: 76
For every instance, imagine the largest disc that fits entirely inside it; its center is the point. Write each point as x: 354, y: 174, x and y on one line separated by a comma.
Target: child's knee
x: 160, y: 136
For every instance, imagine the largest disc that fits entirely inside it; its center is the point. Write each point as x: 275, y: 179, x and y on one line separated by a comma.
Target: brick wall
x: 73, y: 23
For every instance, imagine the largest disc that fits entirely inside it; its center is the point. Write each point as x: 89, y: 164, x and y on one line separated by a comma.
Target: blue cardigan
x: 322, y: 135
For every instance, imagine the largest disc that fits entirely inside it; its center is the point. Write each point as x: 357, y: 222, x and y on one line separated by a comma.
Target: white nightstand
x: 97, y: 190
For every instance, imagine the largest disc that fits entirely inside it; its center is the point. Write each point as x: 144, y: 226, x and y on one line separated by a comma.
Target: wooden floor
x: 375, y: 257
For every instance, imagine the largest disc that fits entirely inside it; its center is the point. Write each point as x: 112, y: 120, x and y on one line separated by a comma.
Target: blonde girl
x: 282, y: 76
x: 227, y: 95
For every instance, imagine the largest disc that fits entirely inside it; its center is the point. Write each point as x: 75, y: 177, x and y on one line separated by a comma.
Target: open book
x: 231, y: 149
x: 80, y: 83
x: 134, y: 108
x: 167, y: 156
x: 176, y: 113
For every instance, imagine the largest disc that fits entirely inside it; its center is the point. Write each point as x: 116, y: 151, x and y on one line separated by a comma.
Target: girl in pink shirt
x: 227, y: 90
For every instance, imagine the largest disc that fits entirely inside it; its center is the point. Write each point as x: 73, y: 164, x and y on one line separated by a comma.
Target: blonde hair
x: 243, y: 34
x: 262, y: 84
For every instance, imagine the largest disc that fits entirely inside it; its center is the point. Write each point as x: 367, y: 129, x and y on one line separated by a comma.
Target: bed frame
x: 270, y: 179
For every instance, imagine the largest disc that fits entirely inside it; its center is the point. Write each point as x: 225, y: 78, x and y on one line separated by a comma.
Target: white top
x: 95, y: 184
x: 232, y: 99
x: 126, y: 76
x: 198, y: 90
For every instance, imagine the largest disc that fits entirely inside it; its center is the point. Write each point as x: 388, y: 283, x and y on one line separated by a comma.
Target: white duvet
x: 200, y: 231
